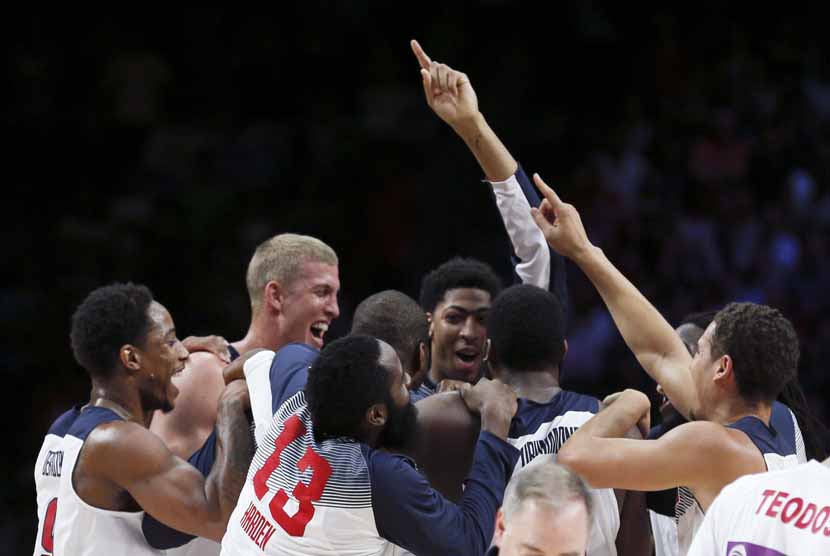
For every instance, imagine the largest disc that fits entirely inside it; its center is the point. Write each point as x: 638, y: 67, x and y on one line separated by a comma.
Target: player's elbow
x: 573, y: 456
x: 580, y: 458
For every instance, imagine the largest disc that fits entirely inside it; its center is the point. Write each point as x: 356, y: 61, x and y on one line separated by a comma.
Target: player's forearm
x: 495, y: 160
x: 650, y: 337
x: 234, y: 449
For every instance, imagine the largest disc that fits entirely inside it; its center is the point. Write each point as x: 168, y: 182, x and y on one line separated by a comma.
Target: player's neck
x: 263, y: 333
x: 120, y: 399
x: 732, y: 410
x: 538, y: 386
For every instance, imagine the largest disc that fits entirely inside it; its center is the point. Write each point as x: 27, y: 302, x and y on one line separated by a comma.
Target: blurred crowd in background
x: 162, y: 148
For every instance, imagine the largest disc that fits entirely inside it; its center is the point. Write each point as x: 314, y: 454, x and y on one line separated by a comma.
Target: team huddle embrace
x: 435, y: 426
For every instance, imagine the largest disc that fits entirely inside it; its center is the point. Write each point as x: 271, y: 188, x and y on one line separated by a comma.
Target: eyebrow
x: 465, y: 310
x: 172, y: 331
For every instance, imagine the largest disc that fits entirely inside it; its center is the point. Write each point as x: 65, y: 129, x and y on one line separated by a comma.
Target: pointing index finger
x: 547, y: 192
x: 423, y: 59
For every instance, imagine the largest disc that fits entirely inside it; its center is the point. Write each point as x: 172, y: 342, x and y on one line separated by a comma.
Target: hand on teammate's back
x: 217, y: 345
x: 560, y: 223
x: 494, y: 401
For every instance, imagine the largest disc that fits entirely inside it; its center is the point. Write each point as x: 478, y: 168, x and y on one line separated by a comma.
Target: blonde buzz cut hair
x: 280, y: 259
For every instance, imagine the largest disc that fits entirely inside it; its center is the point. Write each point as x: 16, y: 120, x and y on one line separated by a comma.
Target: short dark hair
x: 343, y: 382
x: 526, y: 326
x: 763, y: 346
x: 110, y: 317
x: 395, y: 318
x: 702, y: 319
x: 457, y: 273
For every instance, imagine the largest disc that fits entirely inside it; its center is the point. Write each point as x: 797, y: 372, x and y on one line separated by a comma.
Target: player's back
x: 48, y: 470
x: 541, y: 429
x: 330, y: 508
x: 82, y: 529
x: 775, y: 513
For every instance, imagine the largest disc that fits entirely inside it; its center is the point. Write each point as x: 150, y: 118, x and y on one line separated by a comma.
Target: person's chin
x: 467, y: 372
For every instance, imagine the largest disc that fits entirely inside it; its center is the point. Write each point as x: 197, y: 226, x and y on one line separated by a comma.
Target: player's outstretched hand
x: 448, y: 92
x: 217, y: 345
x: 560, y: 223
x: 494, y: 401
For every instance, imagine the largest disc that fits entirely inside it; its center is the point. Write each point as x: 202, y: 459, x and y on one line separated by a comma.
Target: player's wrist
x: 496, y: 420
x: 470, y: 126
x: 586, y: 254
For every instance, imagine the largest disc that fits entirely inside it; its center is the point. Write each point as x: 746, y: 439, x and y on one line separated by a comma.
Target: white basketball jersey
x: 778, y: 513
x: 275, y: 516
x: 81, y: 529
x: 664, y: 533
x: 48, y: 471
x: 553, y: 424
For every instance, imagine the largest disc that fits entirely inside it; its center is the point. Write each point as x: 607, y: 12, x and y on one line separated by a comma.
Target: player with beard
x: 320, y: 483
x: 114, y: 468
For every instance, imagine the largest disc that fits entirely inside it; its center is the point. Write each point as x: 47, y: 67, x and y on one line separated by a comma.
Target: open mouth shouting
x: 318, y: 332
x: 468, y: 361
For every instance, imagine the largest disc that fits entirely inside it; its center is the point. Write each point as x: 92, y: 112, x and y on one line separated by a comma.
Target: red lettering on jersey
x: 821, y: 519
x: 767, y: 494
x: 305, y: 494
x: 807, y: 517
x: 256, y: 526
x: 791, y: 509
x: 776, y: 503
x: 48, y: 537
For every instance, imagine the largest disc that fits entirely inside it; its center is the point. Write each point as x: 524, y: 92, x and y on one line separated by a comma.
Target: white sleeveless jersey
x: 340, y: 521
x: 81, y: 529
x: 553, y: 423
x: 779, y: 446
x: 48, y: 471
x: 778, y: 513
x: 664, y: 532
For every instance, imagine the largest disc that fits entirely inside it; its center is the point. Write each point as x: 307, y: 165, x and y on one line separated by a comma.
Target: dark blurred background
x: 162, y: 147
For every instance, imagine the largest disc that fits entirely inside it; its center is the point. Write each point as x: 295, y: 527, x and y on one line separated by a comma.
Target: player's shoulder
x: 388, y: 468
x: 204, y: 361
x: 705, y: 436
x: 296, y: 353
x: 63, y: 423
x: 574, y: 401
